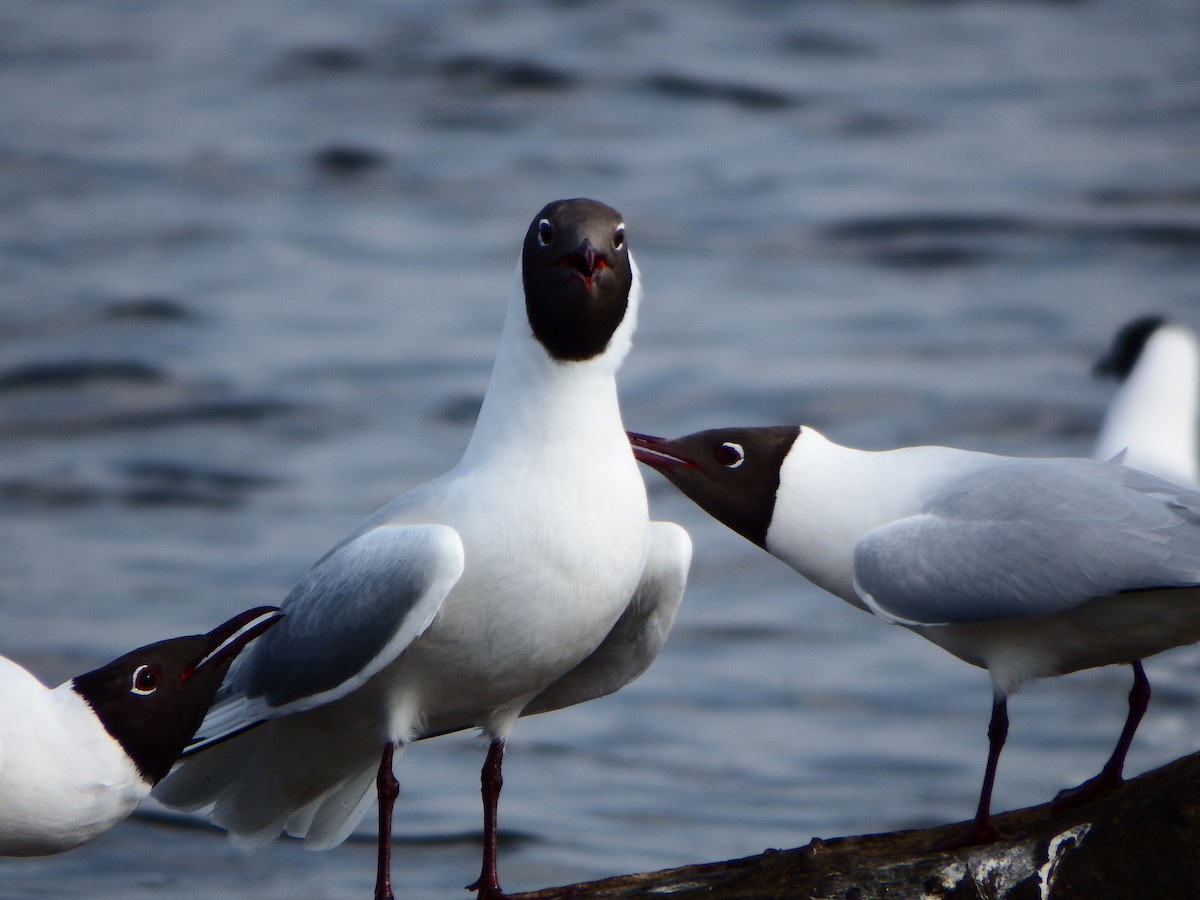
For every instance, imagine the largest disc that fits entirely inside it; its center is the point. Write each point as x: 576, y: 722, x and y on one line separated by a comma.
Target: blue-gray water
x: 253, y: 259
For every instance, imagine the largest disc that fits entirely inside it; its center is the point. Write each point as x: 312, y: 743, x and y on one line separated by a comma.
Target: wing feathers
x: 1030, y: 539
x: 351, y: 615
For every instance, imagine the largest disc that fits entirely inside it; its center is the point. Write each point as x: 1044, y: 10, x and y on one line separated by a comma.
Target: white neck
x: 530, y: 393
x: 830, y: 496
x: 64, y: 779
x: 1154, y: 414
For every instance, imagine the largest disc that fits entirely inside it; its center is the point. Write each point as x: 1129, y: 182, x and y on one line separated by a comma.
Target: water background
x: 253, y: 262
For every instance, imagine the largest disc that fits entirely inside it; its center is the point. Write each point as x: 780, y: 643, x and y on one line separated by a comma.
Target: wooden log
x: 1139, y: 842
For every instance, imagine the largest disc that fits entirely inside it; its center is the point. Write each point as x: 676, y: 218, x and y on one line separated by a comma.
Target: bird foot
x: 487, y: 891
x: 1086, y: 792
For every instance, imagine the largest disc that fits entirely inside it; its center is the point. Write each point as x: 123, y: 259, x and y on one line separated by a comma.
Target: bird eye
x: 619, y: 236
x: 145, y: 680
x: 545, y: 233
x: 731, y: 455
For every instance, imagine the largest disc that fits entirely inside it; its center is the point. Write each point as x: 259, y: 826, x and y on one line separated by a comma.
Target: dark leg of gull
x: 1112, y: 774
x: 981, y: 830
x: 491, y: 780
x: 388, y: 789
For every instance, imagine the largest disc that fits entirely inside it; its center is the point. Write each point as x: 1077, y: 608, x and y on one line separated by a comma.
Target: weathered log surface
x: 1139, y: 841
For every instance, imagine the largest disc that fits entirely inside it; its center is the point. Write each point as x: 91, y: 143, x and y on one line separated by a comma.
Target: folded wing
x: 351, y: 615
x: 1030, y: 538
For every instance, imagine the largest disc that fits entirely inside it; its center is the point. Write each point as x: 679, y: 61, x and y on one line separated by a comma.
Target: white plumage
x: 457, y: 604
x: 63, y: 779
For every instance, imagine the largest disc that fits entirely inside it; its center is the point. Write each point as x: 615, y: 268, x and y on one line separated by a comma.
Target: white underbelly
x: 1106, y: 631
x: 516, y: 622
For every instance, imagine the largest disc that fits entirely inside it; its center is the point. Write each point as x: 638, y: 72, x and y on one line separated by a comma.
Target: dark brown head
x: 731, y: 473
x: 153, y: 699
x: 577, y: 275
x: 1127, y: 347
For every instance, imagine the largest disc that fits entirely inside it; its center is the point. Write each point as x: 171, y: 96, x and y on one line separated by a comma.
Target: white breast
x: 553, y: 517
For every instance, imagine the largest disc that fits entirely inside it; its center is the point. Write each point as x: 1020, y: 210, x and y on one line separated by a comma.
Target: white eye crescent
x: 731, y: 455
x: 144, y: 681
x: 619, y: 236
x: 545, y: 233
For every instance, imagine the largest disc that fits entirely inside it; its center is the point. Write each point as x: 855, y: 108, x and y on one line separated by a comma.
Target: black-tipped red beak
x: 654, y: 453
x: 228, y: 639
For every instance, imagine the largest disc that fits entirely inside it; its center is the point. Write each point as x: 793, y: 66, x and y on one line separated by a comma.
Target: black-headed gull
x: 1152, y: 418
x: 527, y: 578
x: 1026, y: 567
x: 76, y: 759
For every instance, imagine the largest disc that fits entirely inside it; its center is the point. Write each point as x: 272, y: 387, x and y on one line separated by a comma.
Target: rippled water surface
x: 253, y: 261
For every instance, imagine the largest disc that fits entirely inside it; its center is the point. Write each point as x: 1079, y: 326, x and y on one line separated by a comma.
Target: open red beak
x: 585, y: 260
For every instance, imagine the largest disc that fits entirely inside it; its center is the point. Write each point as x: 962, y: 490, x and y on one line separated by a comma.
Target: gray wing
x: 638, y: 635
x: 350, y: 615
x: 1030, y: 538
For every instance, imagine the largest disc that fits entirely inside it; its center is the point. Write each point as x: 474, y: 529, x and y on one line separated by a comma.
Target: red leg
x: 981, y: 830
x: 388, y: 789
x: 491, y: 780
x: 1112, y: 775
